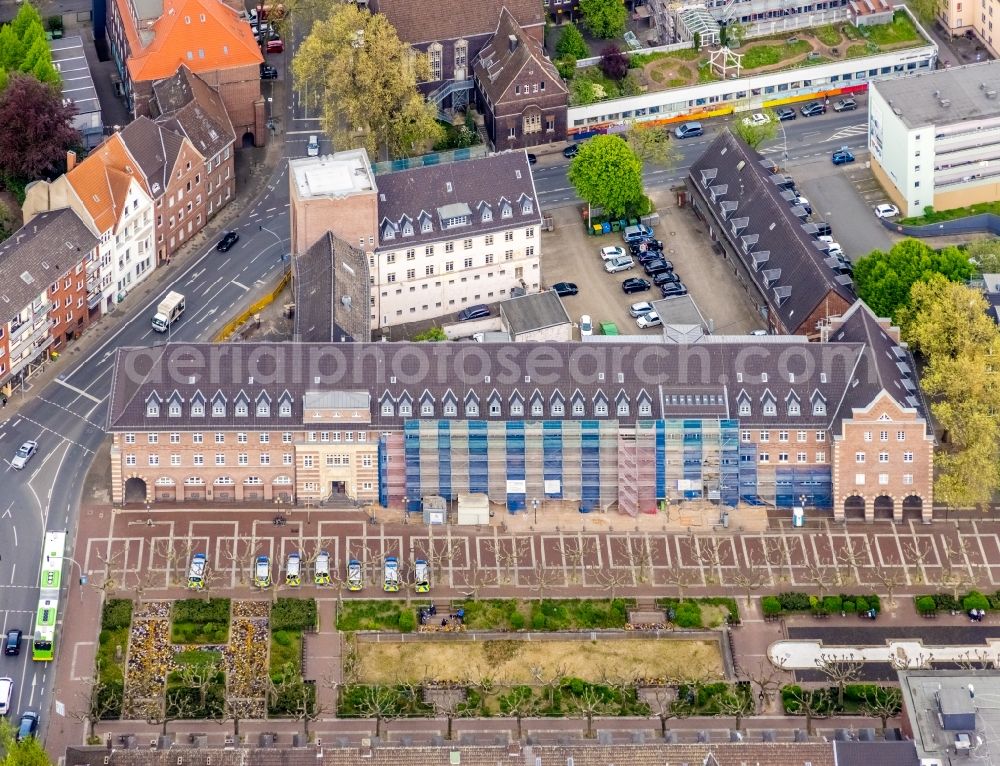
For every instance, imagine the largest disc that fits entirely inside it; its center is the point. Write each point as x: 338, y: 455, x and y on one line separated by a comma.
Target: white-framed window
x: 745, y: 437
x: 907, y: 457
x: 220, y: 437
x: 782, y: 457
x: 883, y: 478
x: 366, y: 461
x: 623, y: 409
x: 197, y: 410
x: 241, y: 438
x: 859, y: 457
x: 450, y: 410
x: 801, y: 457
x: 286, y: 437
x: 819, y: 407
x: 782, y: 436
x: 265, y: 438
x: 243, y: 459
x: 426, y: 409
x: 219, y: 409
x: 901, y: 436
x: 471, y: 409
x: 197, y: 438
x: 198, y: 459
x: 130, y: 460
x: 220, y: 458
x: 745, y: 408
x: 537, y: 409
x: 263, y: 409
x: 152, y: 438
x: 494, y: 409
x: 387, y: 409
x: 307, y: 461
x: 821, y: 456
x: 287, y: 458
x: 883, y: 436
x: 130, y: 438
x: 764, y: 436
x: 883, y: 457
x: 517, y: 409
x: 405, y: 409
x: 868, y: 436
x: 821, y: 436
x: 152, y: 409
x: 558, y: 409
x: 175, y: 438
x: 646, y: 408
x: 801, y: 436
x: 175, y: 459
x: 763, y: 457
x: 265, y: 458
x: 578, y: 408
x: 241, y: 409
x: 907, y: 478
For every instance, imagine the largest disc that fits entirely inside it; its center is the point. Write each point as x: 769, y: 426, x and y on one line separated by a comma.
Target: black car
x: 642, y: 245
x: 532, y: 159
x: 635, y: 285
x: 655, y: 267
x: 785, y: 114
x: 268, y: 72
x: 571, y: 151
x: 562, y: 289
x: 665, y: 276
x: 12, y: 646
x: 673, y: 289
x: 823, y: 229
x: 230, y: 239
x: 813, y: 108
x: 651, y: 255
x: 479, y: 311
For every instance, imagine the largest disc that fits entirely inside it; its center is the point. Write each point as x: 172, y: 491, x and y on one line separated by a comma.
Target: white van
x: 312, y: 148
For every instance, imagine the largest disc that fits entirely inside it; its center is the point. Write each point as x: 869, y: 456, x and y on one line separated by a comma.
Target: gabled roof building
x: 751, y: 212
x: 622, y: 426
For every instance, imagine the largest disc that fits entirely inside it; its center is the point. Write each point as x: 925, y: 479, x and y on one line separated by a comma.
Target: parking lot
x: 845, y: 196
x: 570, y: 255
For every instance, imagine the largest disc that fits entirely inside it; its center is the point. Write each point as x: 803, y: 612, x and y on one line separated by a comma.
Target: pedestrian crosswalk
x: 851, y: 130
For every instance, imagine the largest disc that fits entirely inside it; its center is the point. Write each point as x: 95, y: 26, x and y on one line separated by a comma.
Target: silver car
x: 23, y: 455
x: 615, y: 265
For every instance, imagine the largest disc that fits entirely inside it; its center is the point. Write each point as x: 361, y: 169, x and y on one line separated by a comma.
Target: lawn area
x: 900, y: 30
x: 200, y: 621
x: 372, y: 615
x: 116, y: 619
x: 389, y: 662
x: 700, y: 613
x: 936, y: 216
x: 828, y: 35
x: 756, y: 55
x: 858, y: 50
x: 546, y: 615
x: 196, y: 689
x: 286, y: 649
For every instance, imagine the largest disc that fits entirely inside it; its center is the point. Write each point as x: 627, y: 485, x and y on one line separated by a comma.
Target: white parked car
x: 756, y: 119
x: 640, y: 308
x: 652, y: 319
x: 624, y: 263
x: 6, y: 691
x: 607, y: 253
x: 23, y: 455
x: 886, y: 211
x: 586, y: 326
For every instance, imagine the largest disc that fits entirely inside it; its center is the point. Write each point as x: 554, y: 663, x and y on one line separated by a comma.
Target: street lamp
x: 83, y: 577
x: 534, y: 505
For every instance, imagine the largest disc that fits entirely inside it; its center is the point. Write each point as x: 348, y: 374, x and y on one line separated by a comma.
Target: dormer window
x: 450, y: 409
x: 645, y: 408
x: 770, y: 408
x: 601, y: 409
x: 558, y: 410
x: 745, y: 409
x: 487, y: 213
x: 472, y: 409
x: 387, y: 409
x: 405, y: 410
x: 537, y: 409
x: 218, y: 409
x: 152, y: 409
x: 242, y: 410
x: 494, y: 409
x: 407, y: 229
x: 426, y: 226
x: 197, y: 409
x: 793, y: 408
x: 263, y: 409
x: 622, y: 409
x: 427, y: 409
x: 578, y: 407
x: 388, y: 231
x: 285, y: 409
x: 517, y: 409
x: 506, y: 211
x: 174, y: 409
x: 527, y: 207
x: 819, y: 407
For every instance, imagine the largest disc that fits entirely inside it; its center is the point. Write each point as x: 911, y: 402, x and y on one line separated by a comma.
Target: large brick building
x: 835, y: 425
x: 151, y: 39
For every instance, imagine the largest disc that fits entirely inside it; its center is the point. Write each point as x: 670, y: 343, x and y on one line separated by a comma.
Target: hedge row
x: 687, y: 612
x: 945, y: 602
x: 785, y: 603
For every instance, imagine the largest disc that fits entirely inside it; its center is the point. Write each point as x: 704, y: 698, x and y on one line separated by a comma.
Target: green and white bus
x: 43, y: 645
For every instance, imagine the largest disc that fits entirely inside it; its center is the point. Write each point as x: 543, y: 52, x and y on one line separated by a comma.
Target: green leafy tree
x: 696, y: 41
x: 926, y: 10
x: 607, y: 174
x: 27, y: 752
x: 653, y: 145
x: 754, y: 134
x: 364, y: 79
x: 985, y: 254
x: 946, y: 322
x: 434, y: 334
x: 604, y: 18
x: 23, y: 47
x: 571, y: 43
x: 884, y: 279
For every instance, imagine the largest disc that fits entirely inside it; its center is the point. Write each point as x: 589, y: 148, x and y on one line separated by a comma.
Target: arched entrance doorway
x: 248, y: 140
x: 165, y: 489
x: 884, y: 507
x: 854, y: 508
x: 913, y: 508
x: 135, y: 490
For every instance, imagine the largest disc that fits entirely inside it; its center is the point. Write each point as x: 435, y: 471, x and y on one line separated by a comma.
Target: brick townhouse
x: 835, y: 425
x: 151, y: 39
x: 48, y: 265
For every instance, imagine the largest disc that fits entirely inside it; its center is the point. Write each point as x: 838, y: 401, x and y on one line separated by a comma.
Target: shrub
x: 201, y: 611
x: 517, y: 621
x: 293, y: 614
x: 874, y: 602
x: 613, y: 63
x: 946, y: 602
x: 770, y: 606
x: 572, y: 44
x: 862, y: 604
x: 926, y: 605
x: 975, y: 600
x: 848, y: 606
x: 833, y: 604
x: 407, y: 621
x: 117, y: 614
x: 794, y: 602
x: 687, y: 614
x: 281, y: 638
x: 538, y: 621
x: 566, y: 67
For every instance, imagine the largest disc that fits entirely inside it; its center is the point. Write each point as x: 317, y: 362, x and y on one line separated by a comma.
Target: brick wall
x: 69, y: 315
x: 353, y: 219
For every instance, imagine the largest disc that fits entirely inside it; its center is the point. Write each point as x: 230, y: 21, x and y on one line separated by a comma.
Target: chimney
x: 512, y: 41
x: 70, y: 160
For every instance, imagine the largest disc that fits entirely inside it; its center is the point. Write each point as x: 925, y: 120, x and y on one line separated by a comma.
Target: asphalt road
x: 67, y: 418
x: 805, y: 139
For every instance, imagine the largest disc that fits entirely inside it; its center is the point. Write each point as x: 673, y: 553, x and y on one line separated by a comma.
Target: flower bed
x: 149, y: 662
x: 700, y: 612
x: 246, y: 658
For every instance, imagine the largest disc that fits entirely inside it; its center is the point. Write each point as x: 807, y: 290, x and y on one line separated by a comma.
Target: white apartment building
x: 106, y: 192
x: 438, y: 238
x: 935, y: 138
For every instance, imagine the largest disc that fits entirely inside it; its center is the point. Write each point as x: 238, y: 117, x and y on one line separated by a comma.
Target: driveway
x: 834, y: 194
x: 569, y: 254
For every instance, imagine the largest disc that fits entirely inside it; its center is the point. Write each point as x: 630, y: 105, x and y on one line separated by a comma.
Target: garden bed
x: 116, y: 618
x: 149, y: 662
x: 547, y: 615
x: 375, y: 615
x: 931, y: 604
x: 700, y: 612
x: 200, y: 621
x: 805, y: 603
x: 519, y: 661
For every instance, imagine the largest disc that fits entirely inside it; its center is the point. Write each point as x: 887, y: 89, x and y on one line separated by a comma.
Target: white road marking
x: 240, y: 284
x: 80, y: 391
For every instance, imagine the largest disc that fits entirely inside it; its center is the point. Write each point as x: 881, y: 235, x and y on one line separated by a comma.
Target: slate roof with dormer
x: 456, y: 200
x: 768, y: 232
x: 190, y: 106
x: 205, y: 35
x: 801, y: 384
x: 417, y: 23
x: 497, y: 66
x: 323, y: 276
x: 38, y: 254
x: 155, y: 150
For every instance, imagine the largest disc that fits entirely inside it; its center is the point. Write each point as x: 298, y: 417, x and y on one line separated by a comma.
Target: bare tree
x: 638, y: 557
x: 178, y: 706
x: 662, y: 701
x: 508, y: 558
x: 890, y: 580
x: 474, y: 580
x: 776, y: 556
x: 767, y: 680
x: 236, y: 710
x: 680, y: 579
x: 109, y: 584
x: 709, y: 552
x: 750, y: 578
x: 737, y: 703
x: 882, y: 703
x: 613, y: 578
x: 955, y: 581
x: 98, y: 701
x: 200, y: 677
x: 549, y: 681
x: 588, y: 704
x: 840, y: 672
x: 380, y: 703
x: 820, y: 576
x: 544, y: 578
x: 809, y: 702
x: 447, y: 702
x: 916, y: 553
x: 239, y: 551
x: 849, y: 561
x: 296, y: 697
x: 573, y: 553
